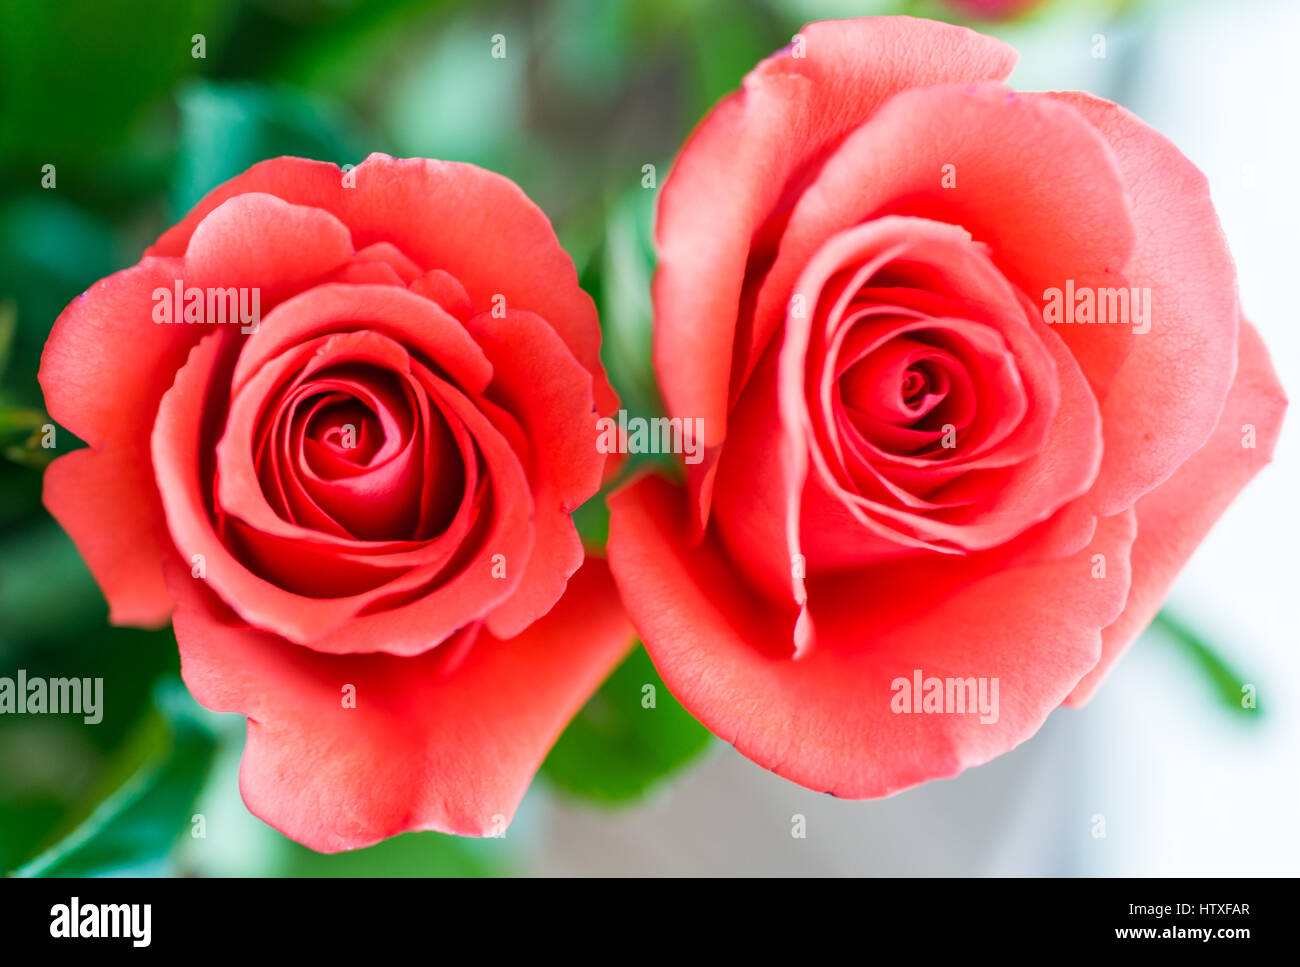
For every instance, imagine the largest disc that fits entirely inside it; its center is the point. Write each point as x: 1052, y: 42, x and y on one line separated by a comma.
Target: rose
x: 919, y: 497
x: 358, y: 503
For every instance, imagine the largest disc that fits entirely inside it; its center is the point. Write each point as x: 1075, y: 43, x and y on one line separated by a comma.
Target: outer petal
x: 756, y: 146
x: 1166, y: 398
x: 101, y: 398
x: 1175, y: 517
x: 430, y: 744
x: 474, y: 224
x: 825, y: 720
x: 107, y: 364
x: 106, y: 501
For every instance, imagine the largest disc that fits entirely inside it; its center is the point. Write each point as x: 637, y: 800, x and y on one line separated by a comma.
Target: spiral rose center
x: 915, y: 382
x: 904, y: 396
x: 361, y: 451
x: 346, y: 429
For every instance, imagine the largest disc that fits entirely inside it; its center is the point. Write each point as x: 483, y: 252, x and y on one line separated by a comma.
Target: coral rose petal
x: 431, y: 744
x: 536, y: 377
x: 825, y: 720
x: 1175, y: 517
x: 100, y: 498
x: 1166, y: 398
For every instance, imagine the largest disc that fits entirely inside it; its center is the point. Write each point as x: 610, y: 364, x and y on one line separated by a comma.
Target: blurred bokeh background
x: 142, y: 106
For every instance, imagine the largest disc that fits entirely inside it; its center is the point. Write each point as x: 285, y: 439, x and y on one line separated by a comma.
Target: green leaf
x: 135, y: 828
x: 1229, y: 687
x: 618, y: 276
x: 592, y: 522
x: 631, y: 734
x: 626, y: 267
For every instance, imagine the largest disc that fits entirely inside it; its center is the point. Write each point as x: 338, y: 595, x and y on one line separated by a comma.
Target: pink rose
x: 337, y: 422
x: 972, y: 382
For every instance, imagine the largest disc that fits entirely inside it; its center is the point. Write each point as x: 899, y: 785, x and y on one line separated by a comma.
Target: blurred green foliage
x: 132, y: 831
x: 631, y: 734
x: 1230, y: 689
